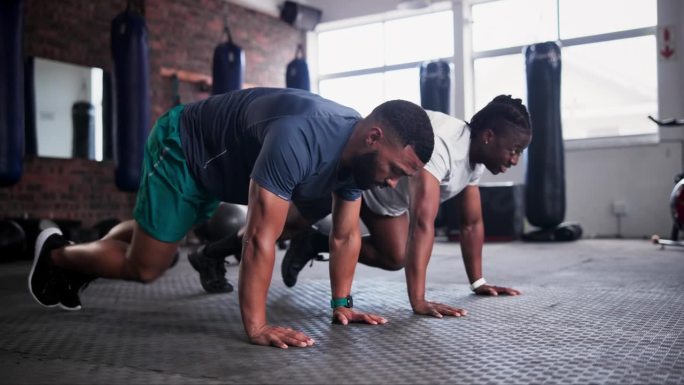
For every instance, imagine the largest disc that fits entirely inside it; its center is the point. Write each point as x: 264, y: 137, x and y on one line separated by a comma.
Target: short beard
x: 363, y: 169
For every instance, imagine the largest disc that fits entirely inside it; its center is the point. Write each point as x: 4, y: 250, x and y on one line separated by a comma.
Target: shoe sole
x: 77, y: 308
x: 40, y: 242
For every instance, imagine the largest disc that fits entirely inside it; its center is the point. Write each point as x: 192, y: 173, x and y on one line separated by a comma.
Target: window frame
x: 383, y: 18
x: 575, y: 143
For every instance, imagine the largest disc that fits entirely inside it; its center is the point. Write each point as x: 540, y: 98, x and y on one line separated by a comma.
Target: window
x: 365, y: 65
x: 608, y: 76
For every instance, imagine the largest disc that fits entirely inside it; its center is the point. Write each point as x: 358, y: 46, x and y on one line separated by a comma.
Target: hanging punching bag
x: 30, y: 138
x: 228, y: 67
x: 435, y: 84
x: 83, y: 125
x: 11, y: 92
x: 297, y: 74
x: 545, y: 176
x: 132, y: 101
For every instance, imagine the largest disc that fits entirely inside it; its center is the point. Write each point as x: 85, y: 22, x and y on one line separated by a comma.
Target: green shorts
x: 169, y: 202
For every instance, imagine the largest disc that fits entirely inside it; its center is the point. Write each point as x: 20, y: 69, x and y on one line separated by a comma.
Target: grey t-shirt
x: 289, y: 141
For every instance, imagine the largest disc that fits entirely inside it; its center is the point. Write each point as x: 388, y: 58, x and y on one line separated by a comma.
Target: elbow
x: 256, y: 248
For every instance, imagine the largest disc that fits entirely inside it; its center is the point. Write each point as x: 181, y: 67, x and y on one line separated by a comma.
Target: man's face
x: 503, y: 151
x: 384, y: 166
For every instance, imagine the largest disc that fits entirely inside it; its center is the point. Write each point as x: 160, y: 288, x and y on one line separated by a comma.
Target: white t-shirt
x: 449, y: 164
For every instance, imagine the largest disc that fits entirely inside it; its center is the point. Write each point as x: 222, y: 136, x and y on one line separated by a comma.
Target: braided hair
x: 502, y: 114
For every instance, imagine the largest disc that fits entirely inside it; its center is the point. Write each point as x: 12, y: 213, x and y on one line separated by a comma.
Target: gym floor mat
x: 563, y: 329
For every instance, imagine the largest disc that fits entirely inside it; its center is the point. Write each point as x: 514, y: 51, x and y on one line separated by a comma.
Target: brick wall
x: 182, y: 34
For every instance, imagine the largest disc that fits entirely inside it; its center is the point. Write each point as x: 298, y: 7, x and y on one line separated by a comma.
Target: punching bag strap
x: 138, y: 6
x: 299, y: 53
x: 175, y: 82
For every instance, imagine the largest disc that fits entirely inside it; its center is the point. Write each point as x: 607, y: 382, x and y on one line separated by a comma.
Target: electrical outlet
x: 619, y: 208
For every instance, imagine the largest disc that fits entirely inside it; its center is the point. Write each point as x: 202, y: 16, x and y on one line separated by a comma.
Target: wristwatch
x: 347, y: 302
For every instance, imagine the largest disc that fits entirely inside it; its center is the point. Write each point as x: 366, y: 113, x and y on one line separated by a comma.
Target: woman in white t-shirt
x: 494, y: 139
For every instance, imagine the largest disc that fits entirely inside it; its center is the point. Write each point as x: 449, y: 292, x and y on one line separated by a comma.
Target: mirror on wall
x: 68, y: 110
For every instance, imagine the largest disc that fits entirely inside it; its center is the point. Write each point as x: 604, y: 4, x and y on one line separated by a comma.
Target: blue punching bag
x: 435, y: 84
x: 297, y: 74
x: 11, y: 92
x: 545, y: 176
x: 132, y: 101
x: 228, y: 66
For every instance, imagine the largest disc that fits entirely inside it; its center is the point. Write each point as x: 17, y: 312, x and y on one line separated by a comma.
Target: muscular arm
x: 472, y: 231
x: 424, y: 203
x: 265, y: 220
x: 345, y: 244
x: 472, y: 239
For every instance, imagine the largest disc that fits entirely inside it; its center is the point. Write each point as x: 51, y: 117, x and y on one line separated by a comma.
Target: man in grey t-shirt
x: 263, y: 147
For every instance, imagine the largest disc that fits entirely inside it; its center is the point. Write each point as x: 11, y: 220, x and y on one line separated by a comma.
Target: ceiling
x: 333, y: 10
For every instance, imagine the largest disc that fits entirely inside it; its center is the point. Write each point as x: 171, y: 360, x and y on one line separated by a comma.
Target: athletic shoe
x: 45, y: 281
x: 212, y: 272
x: 300, y: 252
x: 74, y: 284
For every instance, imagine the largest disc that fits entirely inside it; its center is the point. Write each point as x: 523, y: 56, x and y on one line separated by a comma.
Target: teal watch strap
x: 346, y: 302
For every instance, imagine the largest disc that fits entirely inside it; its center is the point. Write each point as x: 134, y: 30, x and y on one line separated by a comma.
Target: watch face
x: 350, y: 302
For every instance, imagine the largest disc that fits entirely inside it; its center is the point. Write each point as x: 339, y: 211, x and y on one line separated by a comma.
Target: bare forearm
x: 344, y: 254
x: 472, y: 239
x: 256, y: 268
x: 418, y: 251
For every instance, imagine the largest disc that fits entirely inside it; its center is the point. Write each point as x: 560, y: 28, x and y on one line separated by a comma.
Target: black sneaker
x: 300, y: 252
x: 212, y: 272
x: 45, y: 281
x: 74, y: 284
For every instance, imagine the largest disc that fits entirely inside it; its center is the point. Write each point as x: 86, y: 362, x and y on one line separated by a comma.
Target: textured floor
x: 594, y: 311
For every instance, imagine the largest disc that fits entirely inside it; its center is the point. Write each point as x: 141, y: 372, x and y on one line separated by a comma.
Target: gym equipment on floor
x: 676, y: 198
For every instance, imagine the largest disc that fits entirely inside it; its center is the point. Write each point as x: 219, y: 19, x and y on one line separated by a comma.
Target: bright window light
x: 513, y: 23
x: 350, y: 48
x: 361, y: 93
x: 386, y: 57
x: 609, y: 88
x: 592, y: 17
x: 412, y: 39
x: 499, y: 75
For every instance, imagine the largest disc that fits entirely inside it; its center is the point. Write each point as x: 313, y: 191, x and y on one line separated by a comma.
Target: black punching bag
x: 545, y: 177
x: 83, y: 125
x: 297, y: 75
x: 30, y: 137
x: 132, y: 100
x: 228, y: 67
x: 435, y: 84
x: 11, y: 92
